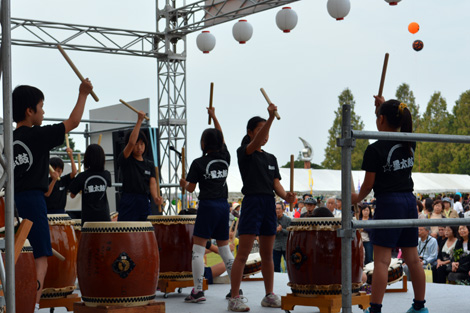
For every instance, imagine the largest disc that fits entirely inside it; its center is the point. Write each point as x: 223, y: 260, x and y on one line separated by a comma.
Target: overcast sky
x: 303, y: 72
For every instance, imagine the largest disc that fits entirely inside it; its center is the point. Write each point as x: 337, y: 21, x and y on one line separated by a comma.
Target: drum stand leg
x: 166, y: 286
x: 326, y: 304
x: 60, y: 302
x: 404, y: 287
x: 152, y: 307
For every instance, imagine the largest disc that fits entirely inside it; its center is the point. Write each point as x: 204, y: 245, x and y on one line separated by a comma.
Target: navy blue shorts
x: 258, y: 216
x: 395, y: 205
x: 208, y: 275
x: 31, y: 205
x: 212, y: 219
x: 133, y: 207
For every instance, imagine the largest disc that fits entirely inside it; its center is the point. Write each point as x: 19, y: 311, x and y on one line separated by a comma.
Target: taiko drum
x: 175, y: 239
x: 314, y: 257
x: 77, y: 228
x: 61, y: 275
x: 117, y: 263
x: 25, y: 280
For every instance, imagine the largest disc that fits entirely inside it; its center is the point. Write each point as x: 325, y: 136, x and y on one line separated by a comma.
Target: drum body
x: 314, y: 257
x: 395, y: 271
x: 117, y: 263
x: 77, y: 228
x: 175, y: 239
x: 25, y: 280
x: 253, y: 264
x: 61, y: 275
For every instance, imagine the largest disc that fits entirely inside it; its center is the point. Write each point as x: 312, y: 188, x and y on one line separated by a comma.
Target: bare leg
x: 416, y: 270
x: 218, y: 269
x: 382, y: 257
x: 244, y: 249
x: 41, y: 270
x: 266, y: 244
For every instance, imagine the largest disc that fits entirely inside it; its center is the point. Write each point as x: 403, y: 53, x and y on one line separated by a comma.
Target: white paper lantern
x: 338, y: 9
x: 205, y: 41
x: 286, y: 19
x: 392, y: 2
x: 242, y: 31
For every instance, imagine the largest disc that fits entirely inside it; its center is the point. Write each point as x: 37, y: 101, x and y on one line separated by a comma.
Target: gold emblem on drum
x: 123, y: 265
x: 298, y: 257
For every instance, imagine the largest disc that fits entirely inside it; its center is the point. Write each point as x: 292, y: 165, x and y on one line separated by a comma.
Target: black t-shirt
x: 94, y: 200
x: 58, y: 198
x: 211, y: 171
x: 31, y: 146
x: 258, y: 171
x: 392, y: 162
x: 136, y: 174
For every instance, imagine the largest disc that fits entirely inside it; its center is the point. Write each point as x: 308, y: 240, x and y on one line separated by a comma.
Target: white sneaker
x: 237, y: 304
x: 36, y: 308
x: 271, y: 300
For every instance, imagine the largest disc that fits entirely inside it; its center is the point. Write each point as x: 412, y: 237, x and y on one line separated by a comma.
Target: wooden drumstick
x: 382, y: 79
x: 157, y: 178
x: 58, y: 255
x: 210, y: 101
x: 269, y: 102
x: 79, y: 161
x: 132, y: 108
x: 75, y: 69
x: 99, y: 139
x: 51, y: 170
x: 183, y: 175
x: 67, y: 142
x: 291, y: 205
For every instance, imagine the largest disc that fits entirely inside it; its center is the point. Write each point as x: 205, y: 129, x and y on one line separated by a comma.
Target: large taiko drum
x: 25, y: 280
x: 61, y: 275
x: 175, y: 238
x: 117, y: 263
x: 314, y: 257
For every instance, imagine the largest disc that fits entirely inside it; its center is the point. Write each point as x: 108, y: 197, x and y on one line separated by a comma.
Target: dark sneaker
x: 195, y: 297
x: 229, y: 295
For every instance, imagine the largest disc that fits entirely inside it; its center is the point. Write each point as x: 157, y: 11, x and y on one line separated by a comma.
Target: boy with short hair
x: 31, y: 146
x: 56, y: 195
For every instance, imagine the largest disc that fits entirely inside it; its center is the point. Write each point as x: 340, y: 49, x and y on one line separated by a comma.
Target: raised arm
x: 76, y: 116
x: 211, y: 112
x: 134, y: 135
x: 263, y: 133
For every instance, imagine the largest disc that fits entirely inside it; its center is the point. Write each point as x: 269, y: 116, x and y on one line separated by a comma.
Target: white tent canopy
x: 328, y: 182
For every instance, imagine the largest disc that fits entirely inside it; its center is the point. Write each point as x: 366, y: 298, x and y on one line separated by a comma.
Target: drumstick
x: 67, y: 143
x: 51, y: 170
x: 210, y: 101
x: 382, y: 79
x: 183, y: 175
x: 132, y: 108
x: 158, y: 187
x: 291, y: 205
x: 269, y: 102
x: 99, y: 139
x: 75, y: 69
x: 58, y: 255
x: 79, y: 161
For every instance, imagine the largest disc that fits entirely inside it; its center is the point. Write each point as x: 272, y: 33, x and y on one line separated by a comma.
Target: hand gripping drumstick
x: 51, y: 170
x: 132, y: 108
x: 269, y: 102
x: 291, y: 205
x: 210, y: 101
x: 75, y: 69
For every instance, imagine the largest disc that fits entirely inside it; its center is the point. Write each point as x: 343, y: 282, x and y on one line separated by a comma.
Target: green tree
x: 300, y: 164
x: 433, y: 157
x: 405, y: 95
x: 332, y: 151
x: 460, y: 125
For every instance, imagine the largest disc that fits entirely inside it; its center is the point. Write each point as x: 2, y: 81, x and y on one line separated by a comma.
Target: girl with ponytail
x: 388, y: 165
x: 261, y: 179
x: 212, y: 220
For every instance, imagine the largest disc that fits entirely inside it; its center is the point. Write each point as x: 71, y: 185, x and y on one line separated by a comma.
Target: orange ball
x: 413, y: 27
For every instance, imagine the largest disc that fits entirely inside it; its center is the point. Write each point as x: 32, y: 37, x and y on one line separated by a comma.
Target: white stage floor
x: 440, y: 299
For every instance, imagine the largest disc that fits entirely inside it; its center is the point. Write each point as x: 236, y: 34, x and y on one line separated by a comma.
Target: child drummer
x: 31, y: 146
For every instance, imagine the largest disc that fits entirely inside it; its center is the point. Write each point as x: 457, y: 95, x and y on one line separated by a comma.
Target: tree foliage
x: 405, y: 94
x: 332, y: 151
